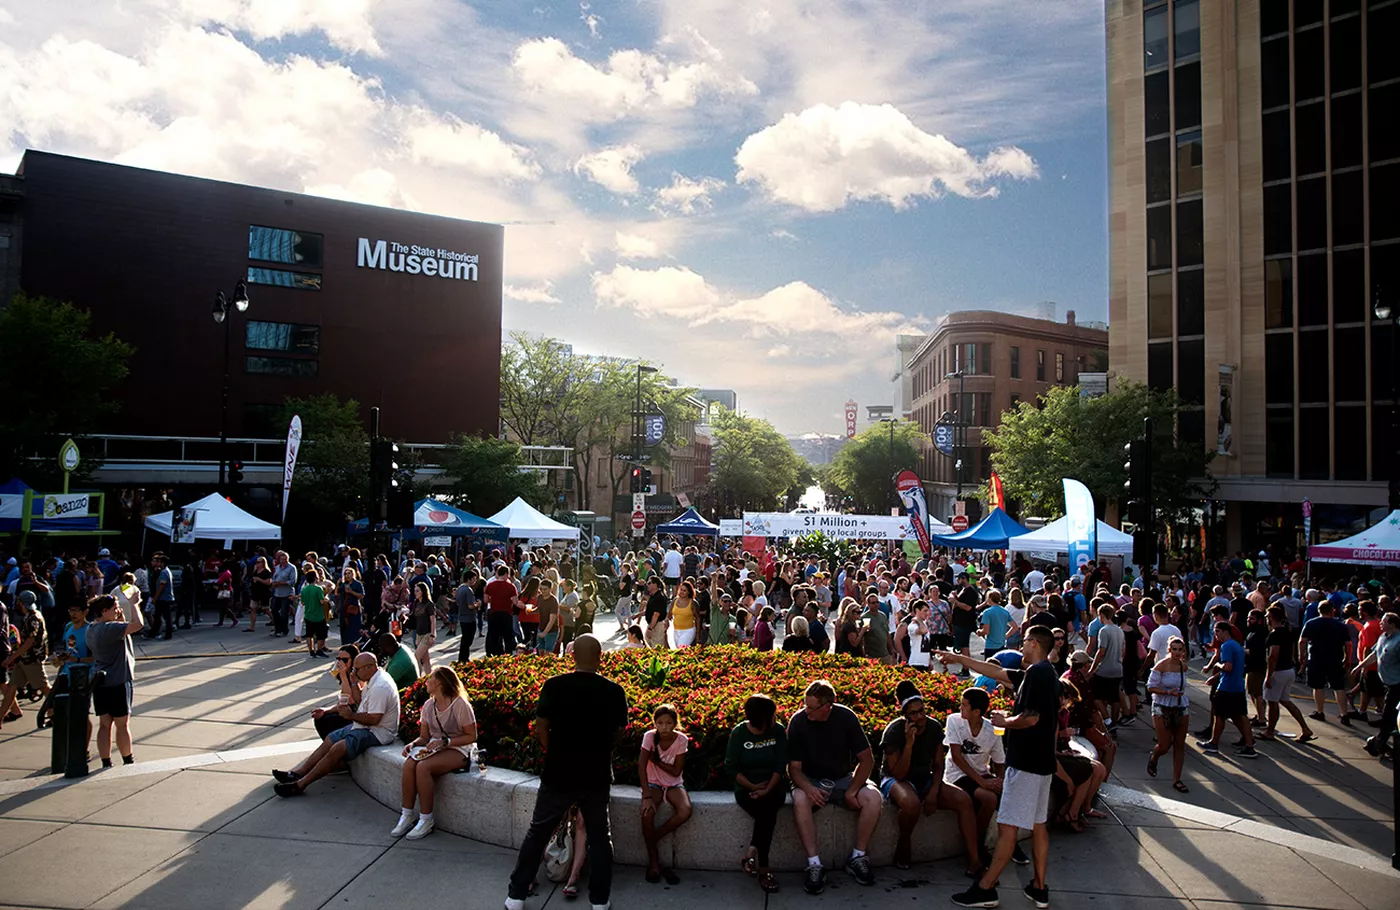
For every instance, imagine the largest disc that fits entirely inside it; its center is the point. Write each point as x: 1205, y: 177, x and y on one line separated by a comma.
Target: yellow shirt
x: 682, y: 615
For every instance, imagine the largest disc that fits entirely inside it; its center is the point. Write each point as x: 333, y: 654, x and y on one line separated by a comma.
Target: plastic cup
x: 999, y: 731
x: 344, y: 699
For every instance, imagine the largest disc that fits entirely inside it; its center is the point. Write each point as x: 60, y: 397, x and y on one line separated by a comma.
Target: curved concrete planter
x: 496, y: 806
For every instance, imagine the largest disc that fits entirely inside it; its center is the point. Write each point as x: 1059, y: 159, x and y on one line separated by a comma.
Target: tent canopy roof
x: 688, y: 522
x: 524, y: 520
x: 1378, y: 545
x: 991, y: 533
x: 1054, y: 538
x: 218, y: 519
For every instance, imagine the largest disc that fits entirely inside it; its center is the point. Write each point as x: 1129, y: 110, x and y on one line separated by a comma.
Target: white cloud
x: 824, y: 157
x: 374, y: 186
x: 448, y: 141
x: 629, y: 82
x: 635, y: 246
x: 542, y: 293
x: 782, y: 234
x: 668, y: 291
x: 345, y: 23
x: 687, y: 196
x: 611, y: 168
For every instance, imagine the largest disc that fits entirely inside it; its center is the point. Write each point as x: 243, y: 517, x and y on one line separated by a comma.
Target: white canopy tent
x: 524, y: 520
x: 1054, y: 538
x: 1378, y: 545
x: 218, y: 519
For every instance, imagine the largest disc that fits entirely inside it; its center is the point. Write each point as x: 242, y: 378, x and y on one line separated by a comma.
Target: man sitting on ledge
x: 375, y: 724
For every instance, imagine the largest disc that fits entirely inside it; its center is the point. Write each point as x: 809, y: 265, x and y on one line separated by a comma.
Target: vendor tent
x: 434, y: 518
x: 1054, y: 538
x: 218, y: 519
x: 689, y: 522
x: 1378, y: 545
x: 991, y: 533
x: 524, y: 520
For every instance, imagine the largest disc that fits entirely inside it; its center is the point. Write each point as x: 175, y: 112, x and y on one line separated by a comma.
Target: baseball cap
x: 27, y: 598
x: 11, y: 561
x: 104, y: 552
x: 727, y: 596
x: 1080, y: 657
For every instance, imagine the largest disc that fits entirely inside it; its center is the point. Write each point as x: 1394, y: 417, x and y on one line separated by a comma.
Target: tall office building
x: 1254, y: 158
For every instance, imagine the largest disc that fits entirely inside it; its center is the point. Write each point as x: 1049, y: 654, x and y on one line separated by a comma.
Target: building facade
x: 905, y: 347
x: 1003, y: 360
x: 1254, y: 213
x: 391, y: 308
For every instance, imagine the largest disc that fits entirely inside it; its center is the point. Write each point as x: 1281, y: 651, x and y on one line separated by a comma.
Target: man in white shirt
x: 1034, y: 582
x: 376, y: 723
x: 1162, y: 635
x: 672, y: 562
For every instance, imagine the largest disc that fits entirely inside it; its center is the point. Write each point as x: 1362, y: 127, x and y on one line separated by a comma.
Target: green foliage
x: 57, y: 382
x: 831, y: 551
x: 752, y: 466
x: 864, y: 469
x: 484, y: 475
x: 332, y: 475
x: 1034, y: 448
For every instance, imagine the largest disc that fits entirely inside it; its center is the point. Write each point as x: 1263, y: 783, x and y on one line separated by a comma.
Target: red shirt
x: 499, y: 594
x: 1370, y: 634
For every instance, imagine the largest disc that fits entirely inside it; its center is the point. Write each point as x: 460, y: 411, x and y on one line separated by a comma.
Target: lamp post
x: 1385, y: 313
x: 222, y: 315
x: 960, y: 441
x: 894, y: 496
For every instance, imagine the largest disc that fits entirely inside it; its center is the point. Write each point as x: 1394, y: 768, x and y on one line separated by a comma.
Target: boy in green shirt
x: 313, y: 603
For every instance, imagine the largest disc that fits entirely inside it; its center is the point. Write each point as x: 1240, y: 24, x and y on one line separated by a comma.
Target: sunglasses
x: 344, y: 660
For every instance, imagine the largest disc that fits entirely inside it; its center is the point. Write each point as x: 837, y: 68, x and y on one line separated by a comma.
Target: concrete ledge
x: 495, y: 807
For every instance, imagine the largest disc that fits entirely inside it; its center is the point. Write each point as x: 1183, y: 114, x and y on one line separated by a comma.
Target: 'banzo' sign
x: 416, y: 260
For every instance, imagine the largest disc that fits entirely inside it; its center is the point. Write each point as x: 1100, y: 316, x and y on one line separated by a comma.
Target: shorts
x: 663, y: 789
x: 1230, y: 705
x: 1106, y: 688
x: 962, y: 637
x: 1170, y: 714
x: 1025, y: 799
x: 833, y: 787
x: 941, y: 642
x: 1079, y: 768
x: 112, y: 700
x: 358, y: 741
x: 967, y: 785
x: 887, y: 784
x: 1371, y: 684
x: 1254, y: 683
x: 1279, y: 686
x: 35, y: 675
x: 1327, y: 676
x: 317, y: 630
x: 1130, y: 685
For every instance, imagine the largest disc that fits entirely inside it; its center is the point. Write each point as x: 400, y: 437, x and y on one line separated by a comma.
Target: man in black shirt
x: 579, y: 717
x: 1030, y: 762
x: 913, y: 748
x: 658, y: 605
x: 1279, y: 674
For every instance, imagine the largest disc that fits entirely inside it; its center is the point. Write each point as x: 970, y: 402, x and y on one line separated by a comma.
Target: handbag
x: 559, y: 854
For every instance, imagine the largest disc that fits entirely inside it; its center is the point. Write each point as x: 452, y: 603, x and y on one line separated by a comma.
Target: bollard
x: 74, y: 731
x: 58, y: 727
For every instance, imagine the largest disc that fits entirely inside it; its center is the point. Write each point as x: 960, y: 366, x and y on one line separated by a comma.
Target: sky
x: 754, y: 194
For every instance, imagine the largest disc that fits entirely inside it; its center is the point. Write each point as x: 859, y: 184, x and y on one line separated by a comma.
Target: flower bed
x: 708, y: 685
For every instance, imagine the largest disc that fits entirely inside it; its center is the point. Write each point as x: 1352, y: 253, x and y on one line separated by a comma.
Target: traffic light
x: 646, y: 480
x: 1138, y: 465
x: 636, y: 480
x: 235, y: 473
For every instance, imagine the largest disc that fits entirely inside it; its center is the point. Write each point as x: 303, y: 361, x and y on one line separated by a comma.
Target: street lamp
x: 1384, y: 312
x: 894, y: 495
x: 960, y: 441
x: 222, y: 307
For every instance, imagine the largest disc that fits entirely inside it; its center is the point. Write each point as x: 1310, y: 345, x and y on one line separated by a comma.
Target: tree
x: 864, y: 469
x: 1035, y: 448
x: 484, y: 475
x: 332, y: 475
x: 752, y: 466
x: 57, y: 381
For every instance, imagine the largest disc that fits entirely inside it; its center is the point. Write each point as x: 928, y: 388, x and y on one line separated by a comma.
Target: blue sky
x: 757, y: 194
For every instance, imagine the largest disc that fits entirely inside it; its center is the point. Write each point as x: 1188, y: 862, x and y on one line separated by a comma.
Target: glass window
x: 1191, y: 302
x: 1015, y: 402
x: 284, y: 279
x: 1278, y: 293
x: 1040, y: 366
x: 1385, y: 201
x: 1314, y: 367
x: 1278, y: 368
x: 1350, y: 443
x: 1305, y: 12
x: 1059, y: 367
x: 282, y: 366
x: 1159, y: 305
x: 1190, y: 234
x: 1385, y: 131
x: 1157, y: 107
x: 984, y: 358
x: 1015, y: 362
x: 1278, y: 442
x: 1382, y: 25
x: 1349, y: 298
x: 1159, y: 170
x: 1278, y: 146
x: 1312, y: 213
x: 281, y: 245
x: 283, y: 336
x: 1188, y: 163
x: 984, y: 409
x: 1346, y: 127
x: 1159, y: 365
x: 1154, y: 38
x: 1346, y: 54
x: 1312, y: 289
x: 1187, y: 25
x: 1278, y: 219
x: 1273, y: 19
x: 1347, y: 215
x: 1191, y: 371
x: 1314, y: 444
x: 1188, y: 96
x: 1380, y: 361
x: 1382, y: 448
x: 1159, y: 237
x: 1308, y: 75
x: 1192, y: 426
x: 1311, y: 138
x: 1349, y: 364
x: 1273, y: 61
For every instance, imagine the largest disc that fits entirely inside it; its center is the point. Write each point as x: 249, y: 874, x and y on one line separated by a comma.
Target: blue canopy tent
x: 991, y: 533
x: 12, y: 499
x: 432, y: 518
x: 689, y: 522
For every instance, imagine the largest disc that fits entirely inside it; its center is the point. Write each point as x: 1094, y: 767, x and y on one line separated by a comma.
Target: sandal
x: 749, y: 864
x: 1180, y: 787
x: 1095, y: 813
x: 570, y: 891
x: 1306, y: 738
x: 1152, y: 766
x: 768, y: 882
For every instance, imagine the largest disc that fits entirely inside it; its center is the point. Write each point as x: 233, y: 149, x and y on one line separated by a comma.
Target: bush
x: 708, y: 685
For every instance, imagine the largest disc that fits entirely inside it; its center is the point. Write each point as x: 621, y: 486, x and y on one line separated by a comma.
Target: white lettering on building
x: 417, y: 260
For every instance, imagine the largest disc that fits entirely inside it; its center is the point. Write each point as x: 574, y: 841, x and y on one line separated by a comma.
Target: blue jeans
x: 357, y: 741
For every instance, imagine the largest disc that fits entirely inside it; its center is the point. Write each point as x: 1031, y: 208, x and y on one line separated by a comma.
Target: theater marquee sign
x: 416, y: 260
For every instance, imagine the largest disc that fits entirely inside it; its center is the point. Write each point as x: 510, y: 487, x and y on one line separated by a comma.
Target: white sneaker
x: 422, y: 829
x: 607, y: 906
x: 405, y: 823
x: 514, y: 903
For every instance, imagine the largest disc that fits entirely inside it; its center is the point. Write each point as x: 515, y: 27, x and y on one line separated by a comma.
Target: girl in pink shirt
x: 660, y: 766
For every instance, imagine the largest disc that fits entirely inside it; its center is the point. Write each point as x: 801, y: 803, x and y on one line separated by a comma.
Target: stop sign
x: 639, y: 520
x: 959, y: 522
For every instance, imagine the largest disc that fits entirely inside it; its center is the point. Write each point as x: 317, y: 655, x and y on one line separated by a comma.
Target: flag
x: 996, y: 497
x: 911, y: 494
x: 1083, y: 531
x: 293, y: 446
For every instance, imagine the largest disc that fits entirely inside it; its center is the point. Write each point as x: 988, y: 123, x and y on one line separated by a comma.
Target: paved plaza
x: 194, y: 823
